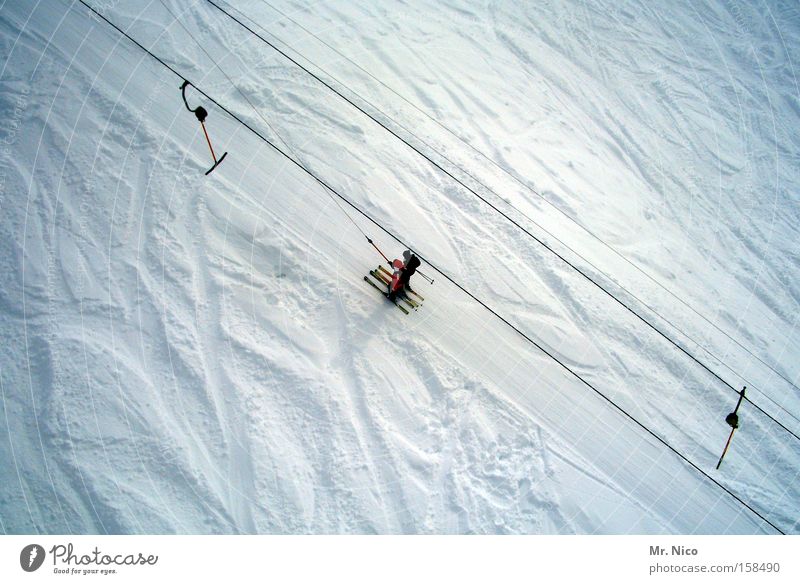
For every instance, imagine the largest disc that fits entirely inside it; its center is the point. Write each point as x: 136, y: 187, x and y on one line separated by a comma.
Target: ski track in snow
x: 191, y: 354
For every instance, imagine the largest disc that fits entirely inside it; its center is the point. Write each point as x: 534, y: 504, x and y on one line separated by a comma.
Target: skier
x: 403, y: 270
x: 412, y: 263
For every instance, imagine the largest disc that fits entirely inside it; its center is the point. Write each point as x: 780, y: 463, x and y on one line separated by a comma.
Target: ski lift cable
x: 445, y: 275
x: 528, y: 187
x: 539, y: 240
x: 669, y: 322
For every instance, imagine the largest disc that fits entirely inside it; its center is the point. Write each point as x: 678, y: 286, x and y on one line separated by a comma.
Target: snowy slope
x: 200, y: 354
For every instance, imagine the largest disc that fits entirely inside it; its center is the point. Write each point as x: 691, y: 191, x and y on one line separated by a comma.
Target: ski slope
x: 192, y: 354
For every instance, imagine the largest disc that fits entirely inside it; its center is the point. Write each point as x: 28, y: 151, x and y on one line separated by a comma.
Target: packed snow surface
x: 185, y: 353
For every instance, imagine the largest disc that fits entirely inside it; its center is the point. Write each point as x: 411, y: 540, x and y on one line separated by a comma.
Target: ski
x: 371, y: 283
x: 389, y: 274
x: 411, y: 303
x: 378, y: 276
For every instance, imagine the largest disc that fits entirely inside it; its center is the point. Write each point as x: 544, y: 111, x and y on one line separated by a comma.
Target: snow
x: 192, y: 354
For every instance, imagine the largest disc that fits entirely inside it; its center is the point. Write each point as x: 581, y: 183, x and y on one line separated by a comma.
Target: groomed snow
x: 192, y: 354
